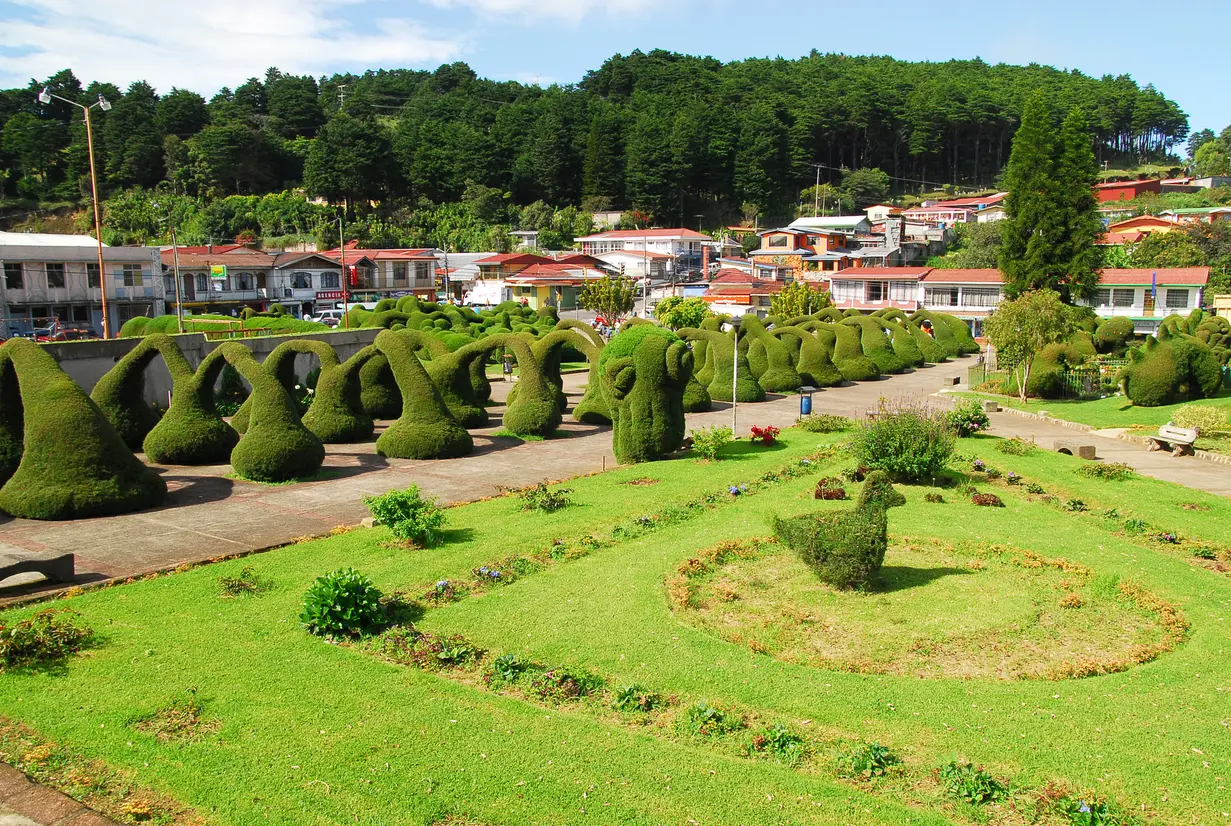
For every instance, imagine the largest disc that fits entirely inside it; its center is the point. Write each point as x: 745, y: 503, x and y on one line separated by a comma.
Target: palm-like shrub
x: 342, y: 603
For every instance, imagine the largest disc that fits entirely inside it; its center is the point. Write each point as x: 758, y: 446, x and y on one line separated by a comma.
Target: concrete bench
x: 991, y: 406
x: 1179, y: 440
x: 1075, y: 447
x: 950, y: 381
x: 56, y: 568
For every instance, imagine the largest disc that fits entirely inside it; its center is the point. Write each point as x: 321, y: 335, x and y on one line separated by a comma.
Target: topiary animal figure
x: 815, y: 361
x: 875, y: 344
x: 426, y: 429
x: 778, y: 374
x: 644, y: 371
x: 1113, y: 334
x: 846, y: 548
x: 73, y: 462
x: 848, y: 354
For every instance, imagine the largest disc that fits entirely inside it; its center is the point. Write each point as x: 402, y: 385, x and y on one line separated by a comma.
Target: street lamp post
x: 45, y: 97
x: 175, y: 258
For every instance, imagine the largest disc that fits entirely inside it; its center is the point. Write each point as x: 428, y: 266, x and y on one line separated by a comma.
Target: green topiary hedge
x: 721, y: 351
x: 644, y: 371
x: 848, y: 354
x: 426, y: 429
x: 336, y: 415
x: 815, y: 361
x: 875, y: 344
x: 378, y: 391
x: 845, y: 548
x: 191, y: 432
x: 280, y: 363
x: 276, y: 446
x: 120, y: 394
x: 1171, y: 367
x: 779, y: 374
x: 73, y: 462
x: 1113, y: 335
x: 533, y: 410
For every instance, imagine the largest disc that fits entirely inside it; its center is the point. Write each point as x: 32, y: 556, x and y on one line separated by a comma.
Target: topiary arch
x: 426, y: 429
x: 73, y: 464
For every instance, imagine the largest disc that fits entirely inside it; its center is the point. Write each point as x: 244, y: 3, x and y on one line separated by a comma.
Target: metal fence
x: 1083, y: 382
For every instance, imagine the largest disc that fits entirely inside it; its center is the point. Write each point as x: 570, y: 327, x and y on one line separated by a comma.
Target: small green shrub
x: 1095, y: 812
x: 428, y: 651
x: 709, y: 441
x: 45, y: 639
x: 1015, y: 446
x: 780, y: 743
x: 907, y: 439
x: 1134, y: 526
x: 542, y: 498
x: 409, y: 515
x: 562, y: 684
x: 1205, y: 418
x: 867, y: 761
x: 824, y: 423
x: 973, y: 784
x: 968, y: 418
x: 1035, y: 488
x: 1076, y: 506
x: 1111, y: 472
x: 504, y: 670
x: 635, y: 697
x: 342, y: 603
x: 246, y: 583
x: 934, y: 498
x: 707, y: 720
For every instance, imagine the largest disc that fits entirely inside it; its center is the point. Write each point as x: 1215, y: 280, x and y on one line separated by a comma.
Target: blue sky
x: 203, y: 46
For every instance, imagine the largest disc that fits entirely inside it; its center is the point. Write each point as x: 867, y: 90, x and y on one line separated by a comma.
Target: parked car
x: 330, y: 317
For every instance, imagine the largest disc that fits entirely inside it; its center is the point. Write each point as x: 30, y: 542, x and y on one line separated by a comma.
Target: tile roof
x: 980, y: 201
x: 1167, y: 276
x: 515, y: 258
x: 972, y: 276
x: 892, y: 273
x: 1141, y: 220
x: 257, y: 260
x: 1116, y: 239
x: 382, y: 254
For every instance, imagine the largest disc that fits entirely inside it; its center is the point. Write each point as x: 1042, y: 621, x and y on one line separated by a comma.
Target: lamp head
x: 44, y: 97
x: 104, y: 104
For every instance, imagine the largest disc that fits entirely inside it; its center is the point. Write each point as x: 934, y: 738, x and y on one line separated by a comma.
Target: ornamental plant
x: 708, y: 441
x: 973, y: 784
x: 409, y: 515
x: 767, y: 435
x: 907, y: 439
x: 46, y: 638
x: 342, y: 603
x: 968, y: 418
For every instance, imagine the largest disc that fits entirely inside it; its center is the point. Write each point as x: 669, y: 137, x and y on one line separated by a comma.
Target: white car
x: 331, y: 317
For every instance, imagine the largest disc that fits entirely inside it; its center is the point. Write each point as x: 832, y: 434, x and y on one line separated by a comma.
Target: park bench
x: 55, y: 567
x: 1179, y: 440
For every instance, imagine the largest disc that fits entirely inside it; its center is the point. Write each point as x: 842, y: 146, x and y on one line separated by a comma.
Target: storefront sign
x: 328, y: 294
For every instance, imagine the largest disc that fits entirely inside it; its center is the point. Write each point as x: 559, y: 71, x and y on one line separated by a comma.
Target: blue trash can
x: 805, y: 405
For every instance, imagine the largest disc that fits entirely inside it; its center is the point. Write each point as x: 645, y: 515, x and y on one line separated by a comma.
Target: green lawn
x: 305, y: 732
x: 1113, y: 411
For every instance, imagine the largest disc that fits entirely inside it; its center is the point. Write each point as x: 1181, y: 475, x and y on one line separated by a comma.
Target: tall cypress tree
x: 1076, y: 174
x: 1030, y: 233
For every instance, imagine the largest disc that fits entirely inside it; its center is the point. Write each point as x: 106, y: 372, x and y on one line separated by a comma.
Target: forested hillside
x: 670, y: 135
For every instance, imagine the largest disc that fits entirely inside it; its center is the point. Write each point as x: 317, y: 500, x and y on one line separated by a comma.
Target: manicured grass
x: 1113, y: 411
x: 291, y: 729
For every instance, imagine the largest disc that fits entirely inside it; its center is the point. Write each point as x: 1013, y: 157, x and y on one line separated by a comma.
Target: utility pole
x: 341, y: 96
x: 735, y: 379
x: 816, y: 192
x: 645, y: 284
x: 345, y: 277
x: 175, y: 258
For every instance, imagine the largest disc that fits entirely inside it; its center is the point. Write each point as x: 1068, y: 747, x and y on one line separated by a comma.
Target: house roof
x: 928, y: 210
x: 976, y: 202
x: 47, y: 239
x: 889, y: 207
x: 289, y: 259
x: 648, y: 254
x: 1117, y: 239
x: 973, y: 276
x: 576, y: 258
x: 1128, y: 184
x: 383, y: 254
x: 849, y: 222
x: 877, y: 273
x: 1166, y: 276
x: 556, y: 274
x: 669, y: 234
x: 732, y: 276
x: 1140, y: 221
x: 514, y: 258
x: 1196, y: 211
x: 791, y: 230
x: 249, y: 259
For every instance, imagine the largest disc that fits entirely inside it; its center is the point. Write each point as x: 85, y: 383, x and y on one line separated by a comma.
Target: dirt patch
x: 642, y: 482
x: 975, y: 610
x: 182, y: 721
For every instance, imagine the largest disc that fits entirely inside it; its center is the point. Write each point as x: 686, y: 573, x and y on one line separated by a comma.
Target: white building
x: 682, y: 247
x: 54, y: 279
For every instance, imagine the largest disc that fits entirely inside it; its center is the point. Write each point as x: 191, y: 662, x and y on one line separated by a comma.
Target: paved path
x: 25, y: 803
x: 208, y: 515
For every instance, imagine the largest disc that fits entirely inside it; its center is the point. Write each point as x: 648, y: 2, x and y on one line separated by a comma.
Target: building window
x: 301, y: 280
x: 1102, y: 298
x: 12, y: 277
x: 400, y: 274
x: 133, y: 277
x: 1122, y: 298
x: 168, y: 284
x: 330, y: 281
x: 1177, y: 299
x: 940, y: 296
x: 981, y: 296
x: 81, y: 313
x: 55, y: 276
x: 874, y: 291
x: 202, y: 283
x: 423, y: 272
x: 244, y: 281
x: 777, y: 241
x: 92, y: 281
x: 903, y: 290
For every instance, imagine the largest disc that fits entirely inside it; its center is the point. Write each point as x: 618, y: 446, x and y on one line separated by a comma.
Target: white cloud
x: 206, y: 45
x: 569, y: 10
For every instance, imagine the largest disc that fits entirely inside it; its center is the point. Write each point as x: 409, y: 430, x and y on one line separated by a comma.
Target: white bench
x: 1179, y: 440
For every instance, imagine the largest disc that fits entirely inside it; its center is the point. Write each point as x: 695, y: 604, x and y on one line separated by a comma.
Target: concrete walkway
x: 25, y: 803
x: 208, y: 515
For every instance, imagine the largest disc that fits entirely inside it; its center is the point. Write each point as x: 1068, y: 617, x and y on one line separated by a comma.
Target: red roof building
x: 1126, y: 190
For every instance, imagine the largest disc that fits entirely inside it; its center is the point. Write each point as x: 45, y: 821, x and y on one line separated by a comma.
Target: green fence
x: 1085, y: 382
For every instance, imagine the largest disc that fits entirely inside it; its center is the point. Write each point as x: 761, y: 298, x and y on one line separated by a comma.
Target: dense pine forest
x: 669, y: 135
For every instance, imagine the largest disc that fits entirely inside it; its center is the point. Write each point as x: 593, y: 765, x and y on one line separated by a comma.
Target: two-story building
x: 52, y: 279
x: 682, y: 247
x: 1198, y: 215
x: 304, y: 282
x: 968, y: 294
x: 736, y: 293
x: 877, y: 288
x: 218, y: 279
x: 388, y: 273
